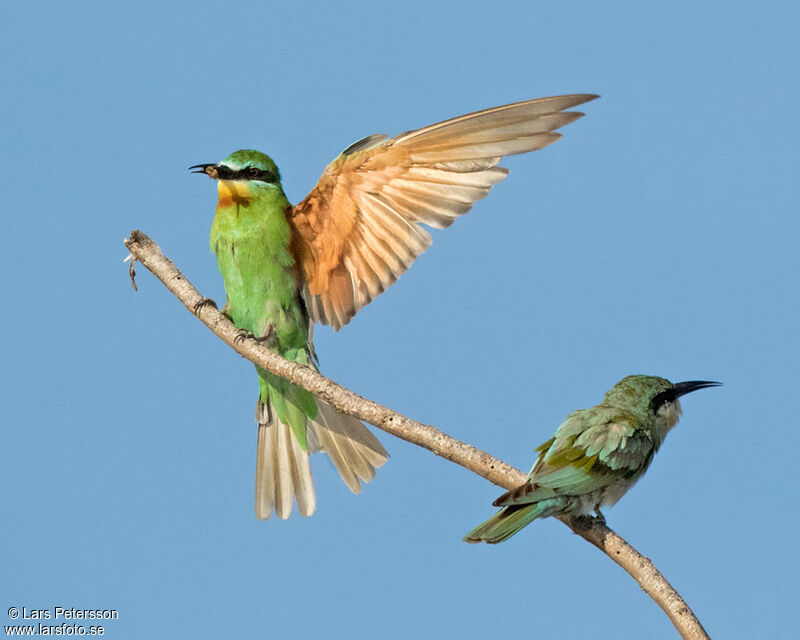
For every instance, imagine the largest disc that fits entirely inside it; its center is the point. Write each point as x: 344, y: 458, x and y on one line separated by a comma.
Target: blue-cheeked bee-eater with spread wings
x: 595, y: 456
x: 286, y: 267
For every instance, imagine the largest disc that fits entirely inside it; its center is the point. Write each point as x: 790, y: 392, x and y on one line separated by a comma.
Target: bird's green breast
x: 250, y: 237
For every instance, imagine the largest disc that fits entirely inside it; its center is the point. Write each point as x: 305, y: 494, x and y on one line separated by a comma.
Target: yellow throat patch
x: 233, y: 192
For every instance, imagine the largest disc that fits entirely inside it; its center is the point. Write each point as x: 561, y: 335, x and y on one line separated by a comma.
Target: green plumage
x: 595, y: 456
x: 251, y: 241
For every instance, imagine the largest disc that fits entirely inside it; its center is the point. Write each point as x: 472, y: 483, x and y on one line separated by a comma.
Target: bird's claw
x: 583, y: 521
x: 205, y: 302
x: 599, y: 517
x: 244, y: 334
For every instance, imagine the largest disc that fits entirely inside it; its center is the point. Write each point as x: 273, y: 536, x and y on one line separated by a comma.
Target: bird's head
x: 241, y: 175
x: 652, y: 398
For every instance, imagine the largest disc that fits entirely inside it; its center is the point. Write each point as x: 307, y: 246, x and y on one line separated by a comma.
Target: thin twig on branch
x: 640, y: 568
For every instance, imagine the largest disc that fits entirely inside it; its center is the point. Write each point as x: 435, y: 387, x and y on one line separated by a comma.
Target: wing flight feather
x: 359, y: 228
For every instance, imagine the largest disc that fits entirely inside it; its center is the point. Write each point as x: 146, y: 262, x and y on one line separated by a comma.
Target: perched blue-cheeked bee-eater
x: 595, y: 456
x: 286, y: 267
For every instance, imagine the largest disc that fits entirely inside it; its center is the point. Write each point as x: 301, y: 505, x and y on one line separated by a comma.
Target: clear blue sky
x: 659, y: 236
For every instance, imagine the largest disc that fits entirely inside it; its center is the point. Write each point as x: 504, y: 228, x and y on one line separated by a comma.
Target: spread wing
x: 359, y: 229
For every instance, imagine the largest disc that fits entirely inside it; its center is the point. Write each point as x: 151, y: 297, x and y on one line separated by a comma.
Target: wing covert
x: 590, y: 450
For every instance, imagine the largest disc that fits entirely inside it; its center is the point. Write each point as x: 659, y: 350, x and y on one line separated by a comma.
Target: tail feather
x: 302, y: 481
x: 510, y: 520
x: 352, y: 448
x: 265, y: 481
x: 282, y: 470
x: 283, y: 473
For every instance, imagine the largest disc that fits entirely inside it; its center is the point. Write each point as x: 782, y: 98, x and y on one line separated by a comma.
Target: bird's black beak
x: 209, y: 169
x: 682, y: 388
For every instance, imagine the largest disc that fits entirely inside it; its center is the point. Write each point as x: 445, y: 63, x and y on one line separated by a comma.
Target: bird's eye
x: 254, y: 172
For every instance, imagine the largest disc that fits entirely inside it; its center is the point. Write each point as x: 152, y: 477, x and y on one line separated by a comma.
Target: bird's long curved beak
x: 682, y: 388
x: 209, y: 169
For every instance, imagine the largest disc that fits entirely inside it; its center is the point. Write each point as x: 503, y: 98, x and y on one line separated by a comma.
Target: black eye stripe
x: 225, y: 173
x: 668, y: 395
x: 247, y: 173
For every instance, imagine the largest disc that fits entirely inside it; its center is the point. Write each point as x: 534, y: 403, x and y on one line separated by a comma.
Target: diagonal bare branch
x: 640, y: 568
